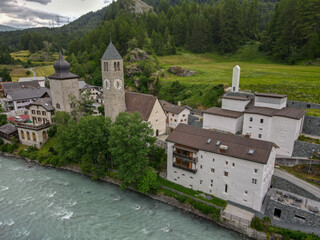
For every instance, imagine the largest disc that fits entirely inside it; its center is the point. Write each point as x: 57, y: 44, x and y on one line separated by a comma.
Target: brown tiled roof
x: 237, y: 98
x: 270, y: 95
x: 262, y: 111
x: 238, y: 147
x: 291, y: 113
x: 223, y: 113
x: 138, y: 102
x: 171, y: 108
x: 270, y: 112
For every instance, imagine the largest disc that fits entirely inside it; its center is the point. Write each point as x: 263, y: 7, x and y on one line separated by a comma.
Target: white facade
x: 175, y: 118
x: 270, y: 102
x: 221, y: 123
x: 234, y: 105
x: 157, y: 119
x: 282, y: 131
x: 240, y: 181
x: 39, y: 114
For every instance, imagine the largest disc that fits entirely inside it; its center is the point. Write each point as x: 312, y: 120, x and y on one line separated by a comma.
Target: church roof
x: 62, y: 69
x: 142, y: 103
x: 111, y: 53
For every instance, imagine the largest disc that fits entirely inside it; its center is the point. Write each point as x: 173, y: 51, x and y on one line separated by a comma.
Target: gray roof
x: 82, y: 84
x: 29, y: 93
x: 8, y: 87
x: 237, y: 146
x: 270, y: 112
x: 223, y: 113
x: 44, y: 102
x: 8, y: 129
x: 111, y: 53
x: 271, y: 95
x: 62, y: 69
x: 171, y: 108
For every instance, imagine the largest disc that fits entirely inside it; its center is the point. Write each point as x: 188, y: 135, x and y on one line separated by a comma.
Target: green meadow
x: 259, y: 73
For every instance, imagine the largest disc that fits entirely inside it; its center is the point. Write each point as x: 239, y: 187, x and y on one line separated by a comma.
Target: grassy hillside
x: 259, y: 73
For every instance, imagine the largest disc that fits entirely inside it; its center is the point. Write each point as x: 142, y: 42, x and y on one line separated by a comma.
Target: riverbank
x: 184, y: 205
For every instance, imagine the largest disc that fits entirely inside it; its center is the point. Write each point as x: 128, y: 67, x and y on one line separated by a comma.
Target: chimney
x: 179, y: 103
x: 223, y: 148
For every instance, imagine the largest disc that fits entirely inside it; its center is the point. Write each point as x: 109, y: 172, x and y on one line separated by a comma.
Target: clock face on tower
x: 117, y: 84
x: 106, y: 84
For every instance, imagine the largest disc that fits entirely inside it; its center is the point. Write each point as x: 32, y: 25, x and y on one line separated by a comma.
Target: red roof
x: 23, y: 117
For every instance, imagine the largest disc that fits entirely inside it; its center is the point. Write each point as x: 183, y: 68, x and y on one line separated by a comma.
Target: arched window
x: 34, y: 138
x: 105, y: 66
x: 118, y: 66
x: 28, y: 135
x: 22, y: 134
x: 115, y: 66
x: 58, y: 106
x: 44, y: 135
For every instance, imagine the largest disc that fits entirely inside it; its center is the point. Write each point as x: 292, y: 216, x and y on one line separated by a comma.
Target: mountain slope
x: 4, y: 28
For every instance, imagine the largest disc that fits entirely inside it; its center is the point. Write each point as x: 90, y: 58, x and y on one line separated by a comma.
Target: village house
x: 231, y: 167
x: 175, y: 114
x: 7, y: 132
x: 41, y: 110
x: 263, y: 116
x: 33, y: 134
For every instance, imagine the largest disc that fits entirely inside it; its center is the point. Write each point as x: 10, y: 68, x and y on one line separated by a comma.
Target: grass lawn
x: 301, y: 171
x: 22, y: 55
x: 50, y: 143
x: 44, y: 70
x: 259, y: 73
x: 313, y: 112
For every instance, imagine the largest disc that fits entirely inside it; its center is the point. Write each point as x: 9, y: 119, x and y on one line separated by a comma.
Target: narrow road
x: 304, y: 185
x: 31, y: 70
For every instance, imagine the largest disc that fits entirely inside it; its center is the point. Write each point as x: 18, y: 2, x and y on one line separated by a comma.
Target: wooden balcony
x: 34, y: 127
x: 184, y: 168
x: 185, y: 157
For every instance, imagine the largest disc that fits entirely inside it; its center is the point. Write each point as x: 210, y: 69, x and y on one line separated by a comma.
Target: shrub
x: 256, y: 224
x: 1, y: 142
x: 52, y: 130
x: 33, y: 155
x: 23, y: 153
x: 5, y: 147
x: 149, y: 182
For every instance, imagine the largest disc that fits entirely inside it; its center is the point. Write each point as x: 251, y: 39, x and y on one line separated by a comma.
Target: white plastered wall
x: 234, y: 105
x: 232, y: 125
x: 158, y: 118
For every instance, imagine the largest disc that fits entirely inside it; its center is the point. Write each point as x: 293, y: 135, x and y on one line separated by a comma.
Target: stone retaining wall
x: 282, y: 184
x: 311, y: 125
x: 302, y: 105
x: 290, y: 162
x: 304, y: 149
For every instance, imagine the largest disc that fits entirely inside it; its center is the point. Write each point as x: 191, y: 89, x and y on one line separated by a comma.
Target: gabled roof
x: 29, y: 93
x: 270, y: 112
x: 223, y: 113
x: 82, y: 84
x: 8, y: 129
x: 8, y: 87
x: 237, y: 146
x: 111, y: 53
x: 46, y: 103
x: 138, y: 102
x: 171, y: 108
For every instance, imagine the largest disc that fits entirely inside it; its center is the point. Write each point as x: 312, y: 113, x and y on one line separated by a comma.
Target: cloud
x: 44, y: 2
x: 17, y: 14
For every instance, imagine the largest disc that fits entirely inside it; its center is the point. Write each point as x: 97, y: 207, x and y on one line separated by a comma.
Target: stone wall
x: 293, y: 214
x: 282, y: 184
x: 195, y: 121
x: 304, y: 149
x: 296, y: 161
x: 162, y: 144
x: 311, y: 125
x: 302, y: 105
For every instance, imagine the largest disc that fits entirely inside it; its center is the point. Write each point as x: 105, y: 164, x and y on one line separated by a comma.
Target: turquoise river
x: 39, y: 203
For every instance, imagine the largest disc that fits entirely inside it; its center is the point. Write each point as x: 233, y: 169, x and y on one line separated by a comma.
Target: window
x: 183, y: 115
x: 211, y: 180
x: 43, y: 113
x: 200, y: 166
x: 105, y: 66
x: 212, y: 170
x: 22, y: 134
x: 251, y: 119
x: 34, y: 138
x: 200, y: 181
x: 226, y: 188
x: 191, y: 177
x: 201, y: 156
x: 226, y: 174
x: 255, y: 170
x: 118, y: 66
x: 261, y: 120
x: 254, y: 181
x: 115, y: 66
x: 175, y: 120
x: 172, y: 114
x: 226, y: 162
x: 58, y: 106
x: 212, y: 159
x: 38, y: 112
x: 260, y: 135
x: 277, y: 212
x: 33, y: 111
x: 246, y: 192
x: 233, y: 164
x: 39, y: 119
x: 300, y: 217
x: 28, y: 135
x: 181, y: 120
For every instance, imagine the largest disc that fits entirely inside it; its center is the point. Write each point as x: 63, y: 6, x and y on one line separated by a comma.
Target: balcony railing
x: 34, y: 127
x: 185, y: 157
x: 184, y: 168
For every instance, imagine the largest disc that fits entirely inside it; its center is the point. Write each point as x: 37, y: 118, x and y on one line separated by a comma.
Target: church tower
x: 63, y: 85
x: 113, y: 82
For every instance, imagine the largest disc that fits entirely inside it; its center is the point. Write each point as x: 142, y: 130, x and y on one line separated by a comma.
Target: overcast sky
x: 37, y: 13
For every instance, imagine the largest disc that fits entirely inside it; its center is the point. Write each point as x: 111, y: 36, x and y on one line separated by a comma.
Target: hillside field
x: 259, y: 73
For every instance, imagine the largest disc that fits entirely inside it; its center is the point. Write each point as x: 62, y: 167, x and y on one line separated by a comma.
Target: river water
x: 42, y: 203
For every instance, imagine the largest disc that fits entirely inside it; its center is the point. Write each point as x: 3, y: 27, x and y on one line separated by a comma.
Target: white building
x: 228, y: 118
x: 149, y: 108
x: 230, y: 167
x: 269, y: 119
x: 175, y: 114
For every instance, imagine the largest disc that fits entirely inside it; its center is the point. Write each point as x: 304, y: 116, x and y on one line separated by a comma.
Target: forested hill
x: 4, y: 28
x: 34, y: 38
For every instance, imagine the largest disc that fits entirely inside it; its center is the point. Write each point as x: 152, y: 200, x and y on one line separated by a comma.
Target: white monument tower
x: 235, y: 79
